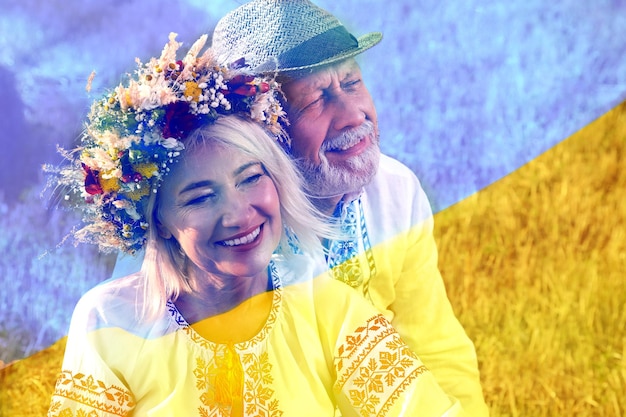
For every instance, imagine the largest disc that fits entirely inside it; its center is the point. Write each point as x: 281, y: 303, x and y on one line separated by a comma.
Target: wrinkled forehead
x: 317, y: 78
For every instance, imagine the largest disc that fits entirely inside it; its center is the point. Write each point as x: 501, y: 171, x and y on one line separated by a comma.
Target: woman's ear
x: 163, y: 231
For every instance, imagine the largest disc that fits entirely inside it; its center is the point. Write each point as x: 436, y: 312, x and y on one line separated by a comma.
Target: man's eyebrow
x: 311, y: 89
x: 208, y: 183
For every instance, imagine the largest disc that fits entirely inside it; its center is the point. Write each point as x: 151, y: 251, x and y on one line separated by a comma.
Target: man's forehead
x: 322, y: 77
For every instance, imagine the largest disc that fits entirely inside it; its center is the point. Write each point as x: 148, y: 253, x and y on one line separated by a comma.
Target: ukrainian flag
x: 510, y: 115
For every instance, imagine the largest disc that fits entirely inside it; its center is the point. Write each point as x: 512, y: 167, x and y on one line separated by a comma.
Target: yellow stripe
x: 27, y: 384
x: 534, y: 266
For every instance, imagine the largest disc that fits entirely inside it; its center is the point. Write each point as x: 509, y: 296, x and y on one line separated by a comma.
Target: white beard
x: 326, y: 180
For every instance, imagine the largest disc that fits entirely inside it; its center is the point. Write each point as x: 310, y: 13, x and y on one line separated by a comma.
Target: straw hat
x: 285, y: 35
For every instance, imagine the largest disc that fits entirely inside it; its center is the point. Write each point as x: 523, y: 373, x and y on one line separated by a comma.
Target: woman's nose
x: 236, y: 210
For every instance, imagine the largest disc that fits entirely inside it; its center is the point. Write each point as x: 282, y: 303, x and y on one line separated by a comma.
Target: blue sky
x: 467, y: 91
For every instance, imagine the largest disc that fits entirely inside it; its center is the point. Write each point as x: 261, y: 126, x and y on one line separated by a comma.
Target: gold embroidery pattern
x: 258, y: 394
x: 374, y: 366
x: 220, y: 382
x: 220, y: 378
x: 97, y: 396
x: 218, y: 395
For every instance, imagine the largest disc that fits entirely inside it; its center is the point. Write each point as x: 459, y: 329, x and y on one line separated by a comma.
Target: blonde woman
x: 229, y: 315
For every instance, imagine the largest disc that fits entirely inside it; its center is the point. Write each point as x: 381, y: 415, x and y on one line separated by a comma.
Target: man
x: 391, y: 258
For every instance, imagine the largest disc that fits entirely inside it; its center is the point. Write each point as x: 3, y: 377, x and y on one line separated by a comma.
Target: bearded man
x: 390, y: 256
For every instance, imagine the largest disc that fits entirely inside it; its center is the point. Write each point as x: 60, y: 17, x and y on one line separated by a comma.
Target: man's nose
x: 347, y: 113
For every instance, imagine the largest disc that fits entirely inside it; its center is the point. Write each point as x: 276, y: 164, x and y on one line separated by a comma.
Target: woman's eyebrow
x: 195, y: 185
x: 245, y: 166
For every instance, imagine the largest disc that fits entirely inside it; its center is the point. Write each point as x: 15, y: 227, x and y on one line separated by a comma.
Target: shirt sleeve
x: 409, y: 289
x: 376, y: 373
x: 424, y: 316
x: 433, y: 330
x: 86, y: 385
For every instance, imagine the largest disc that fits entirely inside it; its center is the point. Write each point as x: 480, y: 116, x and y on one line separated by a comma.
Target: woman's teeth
x: 243, y: 240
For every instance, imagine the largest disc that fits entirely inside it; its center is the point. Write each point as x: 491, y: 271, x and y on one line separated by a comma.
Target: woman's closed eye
x: 252, y: 179
x: 250, y: 174
x: 199, y: 199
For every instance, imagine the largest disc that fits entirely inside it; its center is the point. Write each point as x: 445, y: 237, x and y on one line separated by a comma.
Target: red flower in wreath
x: 178, y: 120
x: 92, y: 183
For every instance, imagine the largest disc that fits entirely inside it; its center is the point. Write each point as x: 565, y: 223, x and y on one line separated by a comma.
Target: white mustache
x: 348, y: 138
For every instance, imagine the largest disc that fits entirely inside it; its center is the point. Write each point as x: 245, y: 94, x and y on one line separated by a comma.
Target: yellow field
x: 535, y: 267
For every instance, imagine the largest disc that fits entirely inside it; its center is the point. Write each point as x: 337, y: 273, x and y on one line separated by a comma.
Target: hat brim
x: 365, y: 42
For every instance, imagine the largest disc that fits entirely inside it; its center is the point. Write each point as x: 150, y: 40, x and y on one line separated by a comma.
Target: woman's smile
x: 244, y: 240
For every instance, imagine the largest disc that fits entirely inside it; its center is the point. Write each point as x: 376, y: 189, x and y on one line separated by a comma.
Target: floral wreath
x: 135, y: 132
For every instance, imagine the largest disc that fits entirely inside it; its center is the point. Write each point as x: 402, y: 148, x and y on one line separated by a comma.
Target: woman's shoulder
x: 116, y: 302
x: 326, y: 287
x: 111, y: 294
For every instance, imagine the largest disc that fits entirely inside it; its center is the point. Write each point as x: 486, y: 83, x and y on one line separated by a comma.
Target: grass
x: 27, y: 385
x: 534, y: 266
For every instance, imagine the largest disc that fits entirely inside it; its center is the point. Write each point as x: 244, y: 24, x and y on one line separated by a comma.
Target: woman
x: 225, y: 318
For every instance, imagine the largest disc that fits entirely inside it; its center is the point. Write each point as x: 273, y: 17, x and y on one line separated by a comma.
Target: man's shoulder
x: 391, y: 168
x: 394, y: 180
x: 394, y: 200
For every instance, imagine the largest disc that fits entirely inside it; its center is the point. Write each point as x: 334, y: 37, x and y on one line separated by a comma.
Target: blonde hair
x: 165, y: 265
